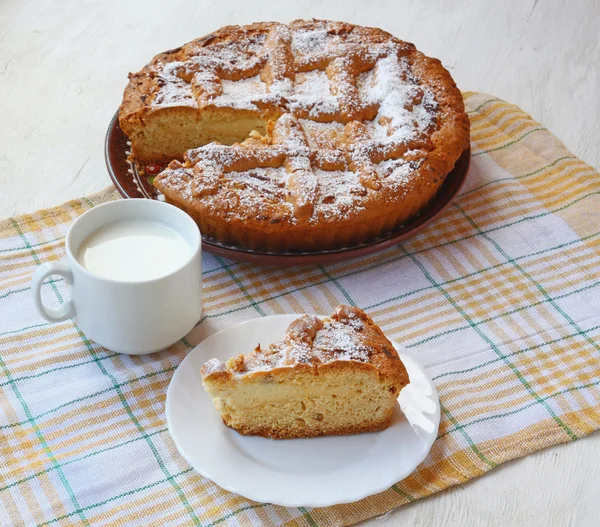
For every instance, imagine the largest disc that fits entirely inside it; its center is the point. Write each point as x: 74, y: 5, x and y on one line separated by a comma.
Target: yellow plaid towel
x: 500, y: 299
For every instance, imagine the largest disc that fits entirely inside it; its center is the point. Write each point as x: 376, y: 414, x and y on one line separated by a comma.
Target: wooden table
x: 63, y: 67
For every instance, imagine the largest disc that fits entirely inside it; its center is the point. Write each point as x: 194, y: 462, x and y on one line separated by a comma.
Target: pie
x: 328, y: 376
x: 308, y: 136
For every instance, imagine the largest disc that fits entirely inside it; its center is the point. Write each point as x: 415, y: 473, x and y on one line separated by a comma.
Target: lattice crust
x: 349, y: 334
x: 355, y: 117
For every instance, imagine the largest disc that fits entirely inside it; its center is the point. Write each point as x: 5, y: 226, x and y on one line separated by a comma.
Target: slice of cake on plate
x: 327, y: 376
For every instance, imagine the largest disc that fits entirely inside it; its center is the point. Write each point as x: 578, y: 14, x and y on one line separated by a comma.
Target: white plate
x: 315, y: 472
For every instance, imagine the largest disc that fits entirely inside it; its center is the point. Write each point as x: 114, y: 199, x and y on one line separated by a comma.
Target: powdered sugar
x: 340, y: 193
x: 402, y: 114
x: 336, y: 340
x: 258, y: 188
x: 248, y: 194
x: 229, y: 75
x: 397, y: 168
x: 313, y: 93
x: 323, y: 138
x: 213, y: 366
x: 231, y: 58
x: 313, y: 84
x: 173, y: 91
x: 390, y: 84
x: 308, y: 42
x: 238, y: 94
x: 180, y: 180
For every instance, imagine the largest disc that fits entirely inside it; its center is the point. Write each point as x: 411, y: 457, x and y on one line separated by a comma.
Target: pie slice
x: 327, y: 376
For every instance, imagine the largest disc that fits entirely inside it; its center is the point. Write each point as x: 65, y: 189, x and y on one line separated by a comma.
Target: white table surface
x: 63, y: 67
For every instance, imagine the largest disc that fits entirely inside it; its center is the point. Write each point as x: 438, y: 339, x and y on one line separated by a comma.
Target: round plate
x: 316, y: 472
x: 132, y: 184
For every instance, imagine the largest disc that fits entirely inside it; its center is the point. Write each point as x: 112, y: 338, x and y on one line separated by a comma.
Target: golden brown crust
x: 273, y: 216
x: 271, y: 433
x: 348, y: 339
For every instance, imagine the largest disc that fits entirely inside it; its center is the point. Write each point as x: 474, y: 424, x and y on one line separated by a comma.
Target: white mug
x: 128, y: 317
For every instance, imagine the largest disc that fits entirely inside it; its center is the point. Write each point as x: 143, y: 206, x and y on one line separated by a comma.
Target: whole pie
x: 309, y: 136
x: 332, y: 375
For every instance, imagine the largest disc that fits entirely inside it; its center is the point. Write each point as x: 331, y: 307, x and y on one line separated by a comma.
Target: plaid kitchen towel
x: 499, y: 298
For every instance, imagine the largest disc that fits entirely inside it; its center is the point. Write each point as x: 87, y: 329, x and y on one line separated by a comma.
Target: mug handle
x: 66, y: 310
